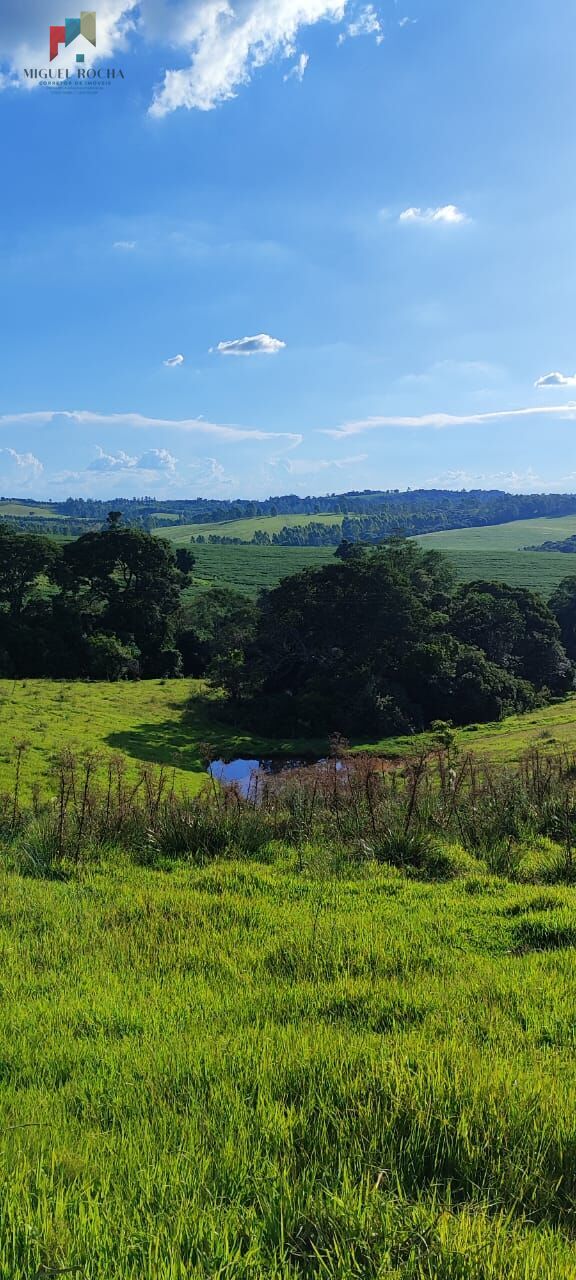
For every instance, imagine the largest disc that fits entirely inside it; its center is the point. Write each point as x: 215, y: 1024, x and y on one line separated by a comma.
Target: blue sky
x: 379, y: 197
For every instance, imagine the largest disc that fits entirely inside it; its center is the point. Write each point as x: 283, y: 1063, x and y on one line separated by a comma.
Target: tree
x: 515, y: 629
x: 114, y: 519
x: 219, y: 624
x: 185, y: 560
x: 24, y: 559
x: 563, y: 606
x: 331, y: 644
x: 126, y: 583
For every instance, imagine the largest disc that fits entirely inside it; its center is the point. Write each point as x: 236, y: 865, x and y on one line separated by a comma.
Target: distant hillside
x: 365, y: 517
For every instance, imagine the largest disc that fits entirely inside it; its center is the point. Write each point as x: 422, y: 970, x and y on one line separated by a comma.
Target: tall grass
x: 429, y: 816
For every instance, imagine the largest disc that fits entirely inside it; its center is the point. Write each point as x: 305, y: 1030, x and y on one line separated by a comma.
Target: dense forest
x: 380, y: 641
x: 369, y: 516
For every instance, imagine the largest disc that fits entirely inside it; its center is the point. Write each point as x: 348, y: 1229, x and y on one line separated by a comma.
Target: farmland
x: 244, y: 529
x: 250, y: 569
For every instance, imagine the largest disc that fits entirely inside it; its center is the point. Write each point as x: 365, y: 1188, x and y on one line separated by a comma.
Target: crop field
x: 538, y: 571
x: 244, y: 529
x: 252, y: 569
x: 260, y: 1072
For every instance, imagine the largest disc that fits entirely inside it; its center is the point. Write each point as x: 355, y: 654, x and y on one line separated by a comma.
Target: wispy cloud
x: 408, y: 22
x: 366, y: 23
x: 313, y: 466
x: 20, y: 469
x: 260, y: 345
x: 230, y: 43
x: 125, y: 246
x: 556, y: 380
x: 174, y: 362
x: 114, y: 421
x: 446, y: 214
x: 298, y: 71
x: 440, y: 421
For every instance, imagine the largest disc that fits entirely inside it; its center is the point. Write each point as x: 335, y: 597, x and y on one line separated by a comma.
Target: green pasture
x: 176, y: 723
x: 244, y: 529
x: 503, y: 537
x: 273, y: 1072
x: 23, y: 509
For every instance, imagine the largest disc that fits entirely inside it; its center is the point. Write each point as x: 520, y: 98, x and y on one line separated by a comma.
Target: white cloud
x: 260, y: 345
x: 448, y: 214
x: 313, y: 466
x: 115, y: 421
x: 367, y: 23
x: 408, y: 22
x: 439, y: 421
x: 556, y: 380
x: 152, y: 460
x: 511, y: 481
x: 298, y: 71
x: 228, y: 44
x: 174, y: 362
x: 127, y: 246
x: 19, y: 469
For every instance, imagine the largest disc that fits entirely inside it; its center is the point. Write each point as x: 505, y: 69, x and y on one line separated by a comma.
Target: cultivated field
x: 252, y: 569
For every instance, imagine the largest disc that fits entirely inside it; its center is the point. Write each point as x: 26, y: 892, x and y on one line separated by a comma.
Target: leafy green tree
x: 24, y: 560
x: 219, y: 624
x: 563, y: 606
x: 515, y: 629
x: 126, y: 583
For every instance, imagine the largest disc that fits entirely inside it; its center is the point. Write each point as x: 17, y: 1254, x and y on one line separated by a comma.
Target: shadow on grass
x: 199, y: 733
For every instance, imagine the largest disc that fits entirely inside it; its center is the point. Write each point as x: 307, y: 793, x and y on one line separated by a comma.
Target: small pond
x: 243, y: 772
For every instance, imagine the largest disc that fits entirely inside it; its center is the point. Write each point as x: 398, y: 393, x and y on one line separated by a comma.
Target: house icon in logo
x: 85, y: 26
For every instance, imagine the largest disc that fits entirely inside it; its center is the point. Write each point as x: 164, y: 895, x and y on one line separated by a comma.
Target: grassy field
x: 173, y: 722
x: 24, y: 509
x: 256, y: 1072
x: 244, y: 529
x: 503, y: 537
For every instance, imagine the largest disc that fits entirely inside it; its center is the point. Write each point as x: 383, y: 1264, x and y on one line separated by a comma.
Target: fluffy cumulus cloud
x: 260, y: 345
x: 174, y: 362
x: 18, y: 471
x: 556, y: 380
x: 446, y: 214
x: 152, y: 461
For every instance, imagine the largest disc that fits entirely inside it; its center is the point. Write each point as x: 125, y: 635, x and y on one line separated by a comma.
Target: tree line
x: 380, y: 641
